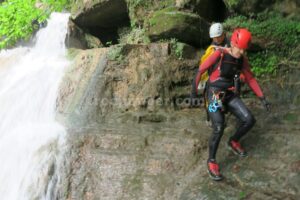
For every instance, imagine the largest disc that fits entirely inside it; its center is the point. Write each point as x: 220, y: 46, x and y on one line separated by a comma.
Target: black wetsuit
x: 220, y: 95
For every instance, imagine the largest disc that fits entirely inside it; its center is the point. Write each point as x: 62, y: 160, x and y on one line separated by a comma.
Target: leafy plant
x: 177, y: 47
x: 133, y: 35
x: 232, y: 3
x: 19, y: 18
x: 242, y: 195
x: 263, y: 63
x: 116, y: 53
x: 269, y: 25
x: 277, y: 36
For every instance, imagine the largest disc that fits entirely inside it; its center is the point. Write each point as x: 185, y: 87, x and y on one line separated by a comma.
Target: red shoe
x: 213, y: 170
x: 236, y: 148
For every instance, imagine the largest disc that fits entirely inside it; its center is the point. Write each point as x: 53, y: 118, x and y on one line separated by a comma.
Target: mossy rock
x: 186, y: 27
x: 139, y: 10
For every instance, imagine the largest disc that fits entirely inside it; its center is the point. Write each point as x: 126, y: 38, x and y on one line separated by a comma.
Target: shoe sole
x: 214, y: 178
x: 230, y: 149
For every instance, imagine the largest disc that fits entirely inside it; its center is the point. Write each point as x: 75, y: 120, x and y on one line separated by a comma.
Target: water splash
x: 31, y: 141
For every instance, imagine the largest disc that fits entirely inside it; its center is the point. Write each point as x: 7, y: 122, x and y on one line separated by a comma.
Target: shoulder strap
x: 217, y: 65
x: 221, y: 58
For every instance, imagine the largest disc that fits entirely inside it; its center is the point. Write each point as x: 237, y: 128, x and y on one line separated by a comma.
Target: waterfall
x: 32, y: 143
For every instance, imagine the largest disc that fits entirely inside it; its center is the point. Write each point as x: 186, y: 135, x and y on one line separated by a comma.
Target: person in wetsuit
x: 218, y: 36
x: 226, y: 65
x: 219, y: 39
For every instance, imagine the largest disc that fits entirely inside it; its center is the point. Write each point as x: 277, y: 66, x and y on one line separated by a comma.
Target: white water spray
x: 31, y: 141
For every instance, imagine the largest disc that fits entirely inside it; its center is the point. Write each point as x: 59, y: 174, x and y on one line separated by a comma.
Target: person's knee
x: 218, y: 128
x: 250, y: 121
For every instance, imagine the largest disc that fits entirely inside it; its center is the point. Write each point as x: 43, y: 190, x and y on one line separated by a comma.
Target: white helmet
x: 215, y: 30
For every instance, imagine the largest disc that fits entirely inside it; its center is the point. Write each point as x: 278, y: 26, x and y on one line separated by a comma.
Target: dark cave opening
x: 220, y: 11
x: 104, y: 20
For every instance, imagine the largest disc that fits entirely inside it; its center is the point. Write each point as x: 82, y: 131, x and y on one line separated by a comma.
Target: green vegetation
x: 116, y: 53
x: 271, y: 26
x: 170, y: 17
x: 278, y: 36
x: 19, y: 18
x: 177, y: 48
x: 144, y: 7
x: 242, y: 195
x: 133, y: 35
x: 232, y: 3
x: 263, y: 63
x: 291, y: 117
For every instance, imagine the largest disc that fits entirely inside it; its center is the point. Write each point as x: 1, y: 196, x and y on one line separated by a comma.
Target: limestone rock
x: 125, y: 78
x: 186, y: 27
x: 77, y: 38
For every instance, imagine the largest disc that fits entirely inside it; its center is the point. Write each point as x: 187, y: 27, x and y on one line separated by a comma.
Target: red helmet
x: 241, y: 38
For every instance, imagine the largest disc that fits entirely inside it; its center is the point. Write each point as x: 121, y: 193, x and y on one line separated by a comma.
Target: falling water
x: 31, y: 141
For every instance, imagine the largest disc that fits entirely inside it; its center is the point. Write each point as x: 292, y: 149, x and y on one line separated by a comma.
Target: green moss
x: 291, y: 117
x: 170, y: 16
x: 177, y: 48
x: 133, y: 35
x: 139, y: 10
x: 232, y: 3
x: 134, y: 184
x: 116, y: 53
x: 169, y: 19
x: 264, y: 63
x: 72, y: 53
x: 77, y: 5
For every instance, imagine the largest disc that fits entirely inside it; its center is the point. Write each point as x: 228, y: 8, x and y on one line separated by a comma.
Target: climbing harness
x: 213, y: 106
x: 217, y: 102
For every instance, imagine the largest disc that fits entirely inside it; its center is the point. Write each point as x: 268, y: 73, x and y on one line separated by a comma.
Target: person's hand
x: 265, y: 103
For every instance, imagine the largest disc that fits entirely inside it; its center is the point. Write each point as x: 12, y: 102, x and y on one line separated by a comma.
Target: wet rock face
x: 126, y: 78
x: 146, y: 152
x: 131, y: 136
x: 156, y: 150
x: 167, y: 160
x: 131, y: 162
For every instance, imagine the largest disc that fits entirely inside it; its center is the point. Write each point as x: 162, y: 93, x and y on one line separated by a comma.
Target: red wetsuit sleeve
x: 250, y: 80
x: 209, y: 62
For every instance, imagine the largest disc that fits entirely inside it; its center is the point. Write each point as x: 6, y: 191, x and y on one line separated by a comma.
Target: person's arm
x: 252, y: 82
x: 209, y: 62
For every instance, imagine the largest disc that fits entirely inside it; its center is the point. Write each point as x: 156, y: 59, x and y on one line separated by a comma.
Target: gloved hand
x: 265, y: 103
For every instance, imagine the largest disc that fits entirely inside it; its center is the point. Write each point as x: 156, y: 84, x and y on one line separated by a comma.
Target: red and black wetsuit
x: 224, y: 68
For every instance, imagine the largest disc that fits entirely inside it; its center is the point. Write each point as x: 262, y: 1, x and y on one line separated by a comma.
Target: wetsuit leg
x: 243, y: 114
x: 218, y: 120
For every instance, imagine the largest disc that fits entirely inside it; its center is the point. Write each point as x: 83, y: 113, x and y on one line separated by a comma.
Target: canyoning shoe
x: 236, y: 148
x: 214, y: 170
